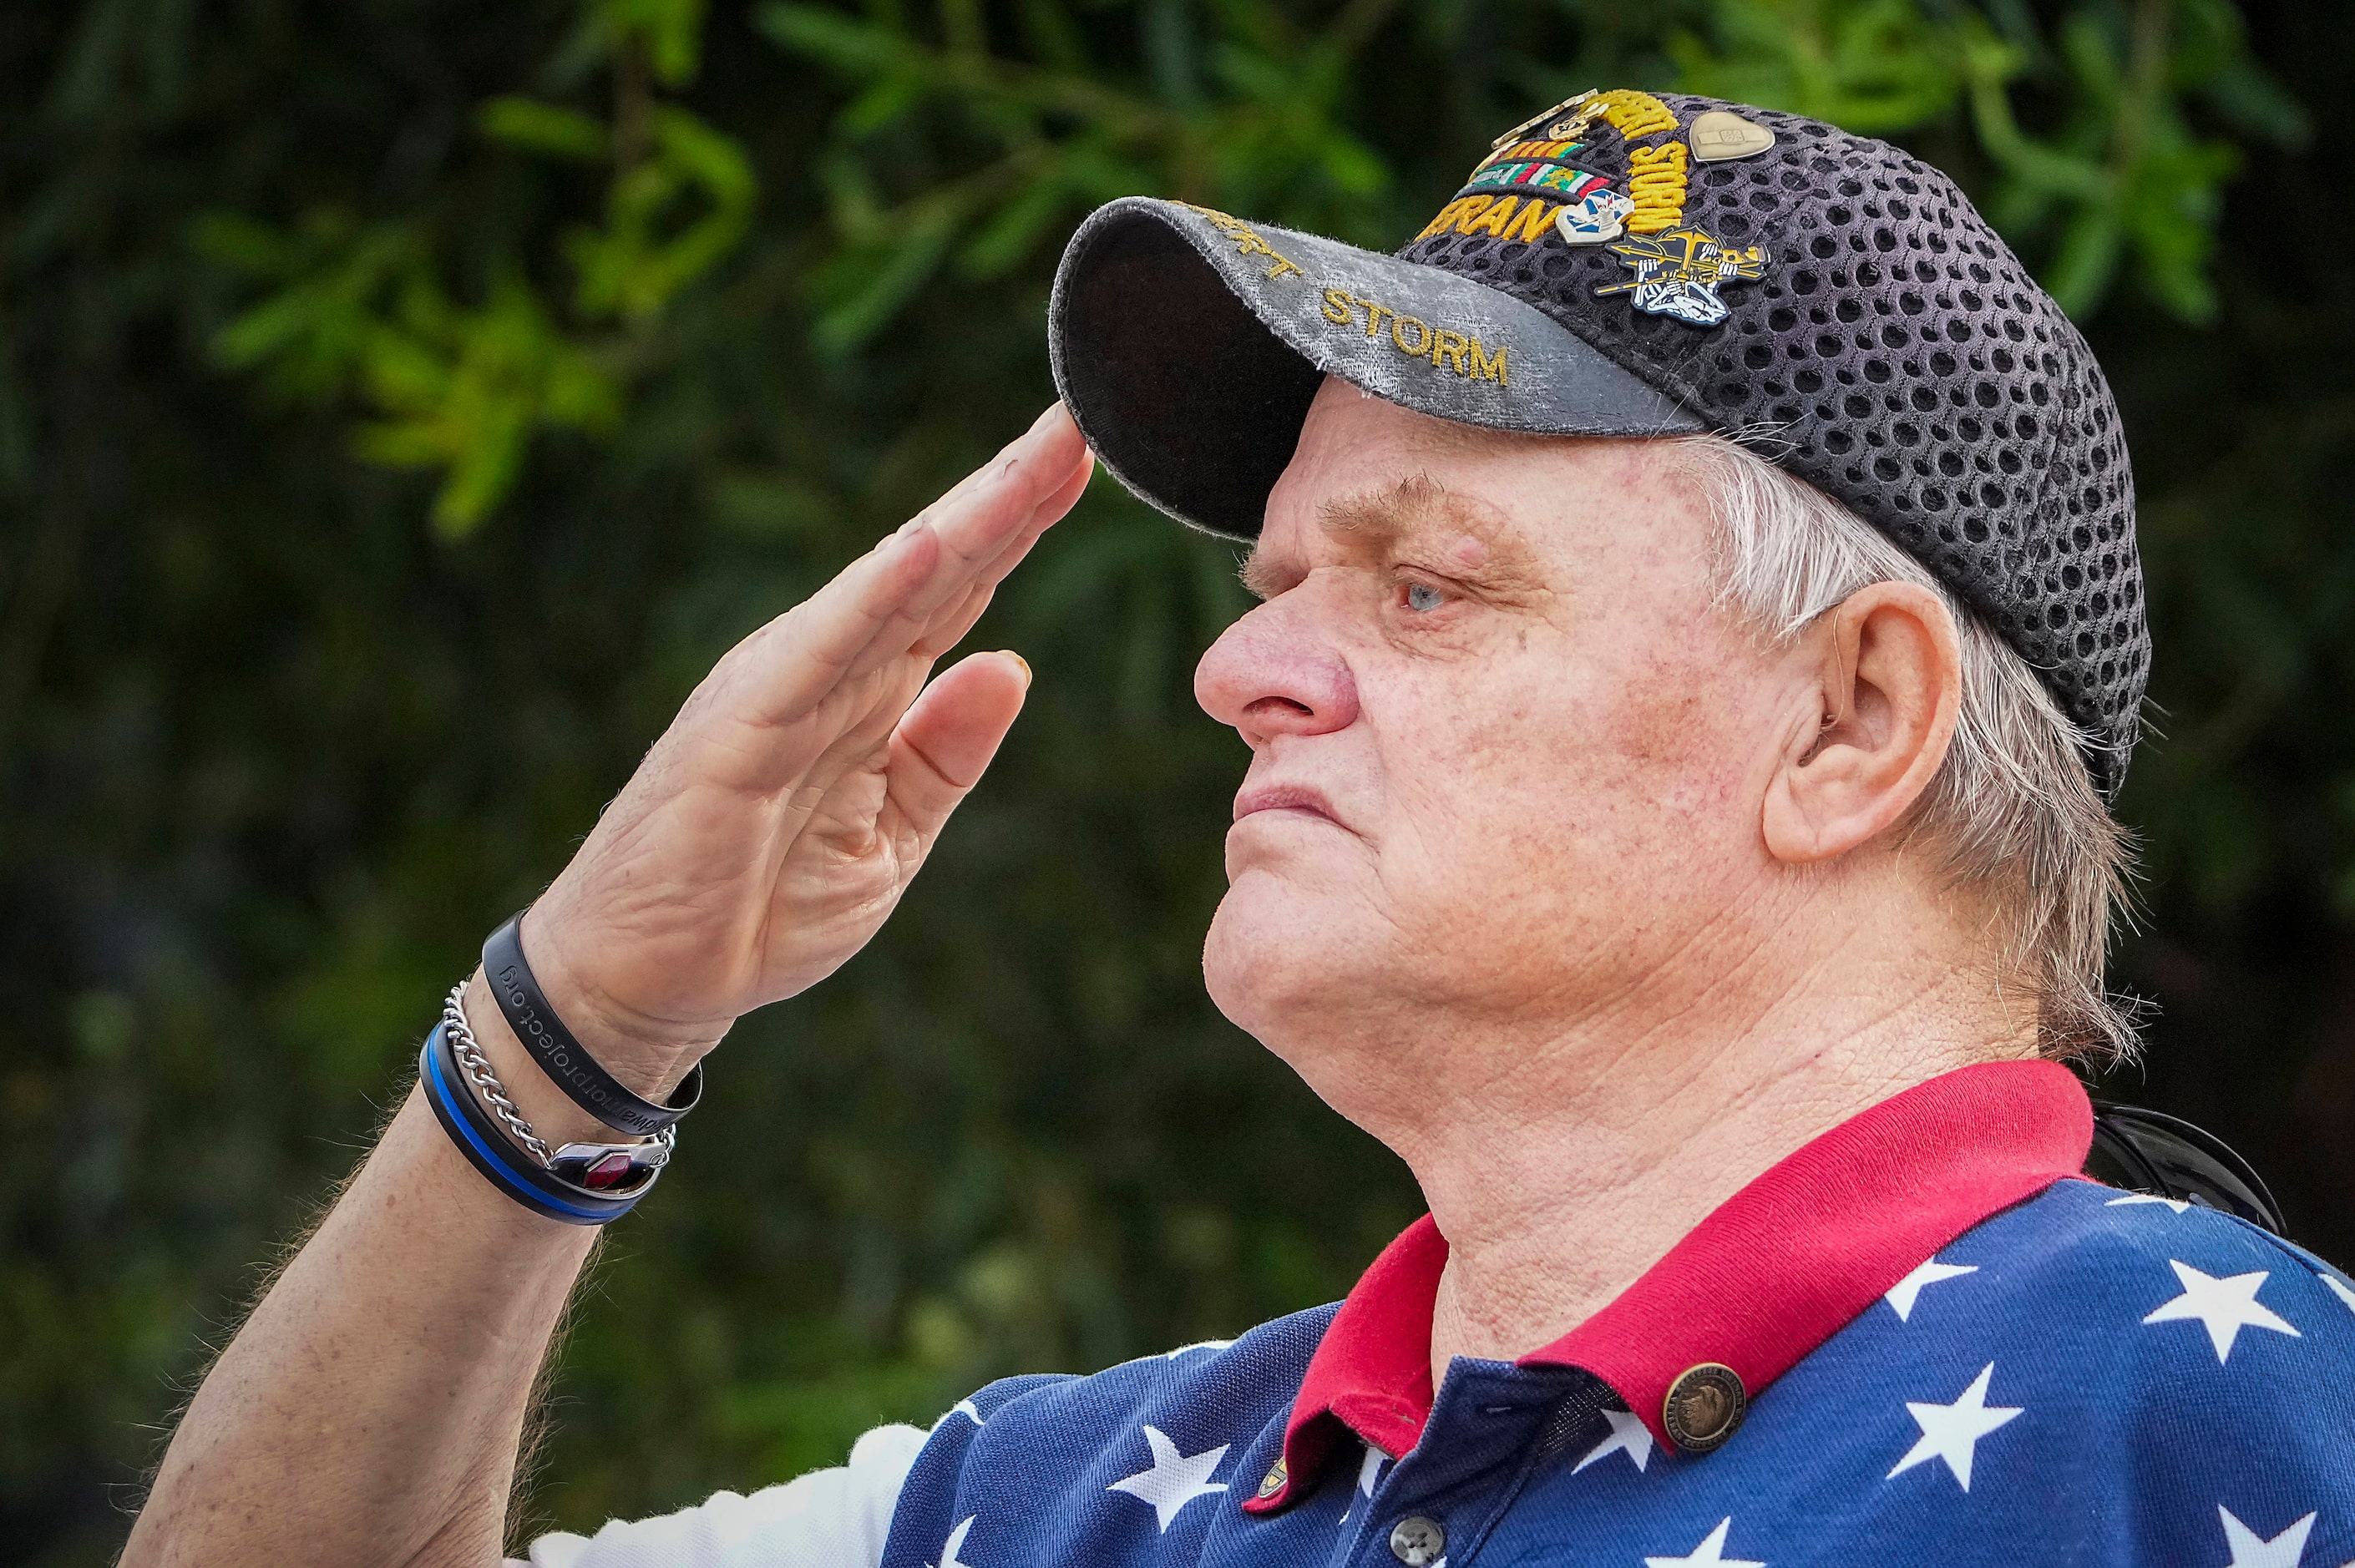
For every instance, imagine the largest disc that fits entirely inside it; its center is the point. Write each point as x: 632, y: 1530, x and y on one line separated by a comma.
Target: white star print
x: 2224, y: 1306
x: 2338, y: 1288
x: 1629, y: 1435
x: 2251, y: 1550
x: 1173, y: 1480
x: 1908, y: 1291
x: 1952, y: 1432
x: 2177, y: 1205
x: 964, y: 1407
x: 955, y: 1545
x: 1710, y: 1553
x: 1196, y: 1345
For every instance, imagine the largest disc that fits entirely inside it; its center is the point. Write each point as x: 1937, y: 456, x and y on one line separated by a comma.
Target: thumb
x: 947, y: 736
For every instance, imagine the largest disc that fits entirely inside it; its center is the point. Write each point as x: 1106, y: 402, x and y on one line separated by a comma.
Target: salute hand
x: 774, y: 827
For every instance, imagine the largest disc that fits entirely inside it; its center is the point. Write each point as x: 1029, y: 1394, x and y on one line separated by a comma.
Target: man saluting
x: 1700, y: 630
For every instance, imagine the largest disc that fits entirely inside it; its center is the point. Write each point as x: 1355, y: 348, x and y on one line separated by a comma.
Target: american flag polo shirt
x: 1955, y: 1350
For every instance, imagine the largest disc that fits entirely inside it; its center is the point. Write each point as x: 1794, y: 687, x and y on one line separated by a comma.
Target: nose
x: 1271, y: 674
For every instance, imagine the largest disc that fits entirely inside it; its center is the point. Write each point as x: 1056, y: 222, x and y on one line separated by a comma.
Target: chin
x: 1275, y: 957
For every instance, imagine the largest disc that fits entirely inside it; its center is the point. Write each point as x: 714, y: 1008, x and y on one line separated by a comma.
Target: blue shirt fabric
x: 2084, y: 1377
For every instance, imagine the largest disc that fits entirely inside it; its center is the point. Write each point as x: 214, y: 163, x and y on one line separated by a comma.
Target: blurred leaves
x: 548, y: 129
x: 2121, y: 175
x: 1037, y: 143
x: 456, y: 390
x: 463, y: 390
x: 644, y: 255
x: 955, y: 152
x: 1877, y: 68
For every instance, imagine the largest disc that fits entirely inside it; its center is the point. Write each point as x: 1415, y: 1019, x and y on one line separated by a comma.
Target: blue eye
x: 1422, y: 598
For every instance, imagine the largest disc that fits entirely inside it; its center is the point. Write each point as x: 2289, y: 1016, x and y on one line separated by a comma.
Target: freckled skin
x: 1582, y: 901
x: 1514, y: 774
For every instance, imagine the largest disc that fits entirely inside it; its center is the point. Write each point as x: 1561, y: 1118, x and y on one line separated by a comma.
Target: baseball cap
x: 1635, y: 264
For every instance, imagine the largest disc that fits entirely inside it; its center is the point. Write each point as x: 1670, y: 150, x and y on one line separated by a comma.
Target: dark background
x: 353, y: 547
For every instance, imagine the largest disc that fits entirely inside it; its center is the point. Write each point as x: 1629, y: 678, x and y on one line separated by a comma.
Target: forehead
x: 1366, y: 474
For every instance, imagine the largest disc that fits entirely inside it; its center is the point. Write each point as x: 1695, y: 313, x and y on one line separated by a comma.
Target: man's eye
x: 1422, y: 597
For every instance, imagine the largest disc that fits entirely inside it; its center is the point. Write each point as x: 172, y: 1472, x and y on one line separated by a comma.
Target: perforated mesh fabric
x: 1897, y: 357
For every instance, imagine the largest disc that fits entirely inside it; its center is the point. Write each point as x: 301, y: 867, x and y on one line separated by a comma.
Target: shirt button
x: 1704, y: 1407
x: 1418, y: 1541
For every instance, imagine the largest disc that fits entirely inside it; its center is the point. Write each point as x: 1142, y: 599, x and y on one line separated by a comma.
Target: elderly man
x: 1700, y: 628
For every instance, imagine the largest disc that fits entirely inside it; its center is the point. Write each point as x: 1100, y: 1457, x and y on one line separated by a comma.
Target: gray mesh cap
x: 1632, y: 264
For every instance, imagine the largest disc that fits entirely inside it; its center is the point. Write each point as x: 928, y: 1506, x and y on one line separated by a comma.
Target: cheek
x: 1672, y: 734
x: 1562, y: 777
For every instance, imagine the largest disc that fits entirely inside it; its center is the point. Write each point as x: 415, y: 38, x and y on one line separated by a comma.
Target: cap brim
x: 1187, y: 345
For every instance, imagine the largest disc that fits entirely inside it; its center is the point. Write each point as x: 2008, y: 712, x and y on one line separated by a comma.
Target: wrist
x: 547, y: 1107
x: 648, y: 1055
x: 580, y: 1181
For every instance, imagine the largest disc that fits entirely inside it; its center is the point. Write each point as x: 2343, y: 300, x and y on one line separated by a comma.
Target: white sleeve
x: 827, y: 1519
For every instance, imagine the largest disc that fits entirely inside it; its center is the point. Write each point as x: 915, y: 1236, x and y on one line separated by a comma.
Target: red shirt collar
x: 1771, y: 1274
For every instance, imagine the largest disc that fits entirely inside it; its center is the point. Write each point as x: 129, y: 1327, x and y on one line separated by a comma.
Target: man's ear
x: 1887, y: 678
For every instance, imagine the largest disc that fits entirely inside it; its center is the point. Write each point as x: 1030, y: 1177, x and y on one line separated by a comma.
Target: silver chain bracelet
x: 485, y: 1079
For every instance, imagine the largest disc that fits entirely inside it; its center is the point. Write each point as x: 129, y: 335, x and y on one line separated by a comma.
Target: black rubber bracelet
x: 490, y: 1151
x: 561, y: 1057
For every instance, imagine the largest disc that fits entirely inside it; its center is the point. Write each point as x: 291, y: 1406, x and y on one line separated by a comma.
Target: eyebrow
x: 1419, y: 508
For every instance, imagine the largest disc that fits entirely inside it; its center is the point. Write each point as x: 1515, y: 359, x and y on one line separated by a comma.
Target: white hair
x: 2012, y: 813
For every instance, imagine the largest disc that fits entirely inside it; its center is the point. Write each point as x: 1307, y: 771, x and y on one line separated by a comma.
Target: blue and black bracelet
x: 489, y: 1150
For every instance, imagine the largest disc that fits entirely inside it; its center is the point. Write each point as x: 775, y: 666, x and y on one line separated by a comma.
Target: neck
x: 1561, y: 1162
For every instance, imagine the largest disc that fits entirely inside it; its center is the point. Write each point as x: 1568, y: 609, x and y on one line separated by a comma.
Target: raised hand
x: 774, y: 827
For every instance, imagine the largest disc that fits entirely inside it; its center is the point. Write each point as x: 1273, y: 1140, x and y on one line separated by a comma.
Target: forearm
x: 371, y: 1409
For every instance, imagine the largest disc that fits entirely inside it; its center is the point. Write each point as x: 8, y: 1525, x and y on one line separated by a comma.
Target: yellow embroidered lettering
x: 1248, y: 241
x: 1483, y: 368
x: 1471, y: 207
x: 1646, y: 123
x: 1492, y: 221
x: 1336, y: 306
x: 1450, y: 346
x: 1374, y: 315
x: 1532, y: 223
x: 1655, y: 184
x: 1446, y: 216
x: 1422, y: 344
x: 1633, y: 114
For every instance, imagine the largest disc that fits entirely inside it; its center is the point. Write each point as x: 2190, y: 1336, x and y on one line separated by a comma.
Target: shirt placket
x: 1491, y: 1425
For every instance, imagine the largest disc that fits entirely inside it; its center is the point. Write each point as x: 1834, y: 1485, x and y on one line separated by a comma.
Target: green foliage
x: 402, y: 402
x: 632, y: 268
x: 669, y: 32
x: 548, y: 129
x: 1879, y: 67
x: 954, y: 154
x: 458, y: 390
x: 2122, y: 175
x: 361, y: 314
x: 951, y: 152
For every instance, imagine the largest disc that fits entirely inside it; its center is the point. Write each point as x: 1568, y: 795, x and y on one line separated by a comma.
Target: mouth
x: 1293, y: 800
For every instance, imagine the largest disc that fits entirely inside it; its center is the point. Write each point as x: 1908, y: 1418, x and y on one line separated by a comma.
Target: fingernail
x: 1051, y: 411
x: 1017, y: 658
